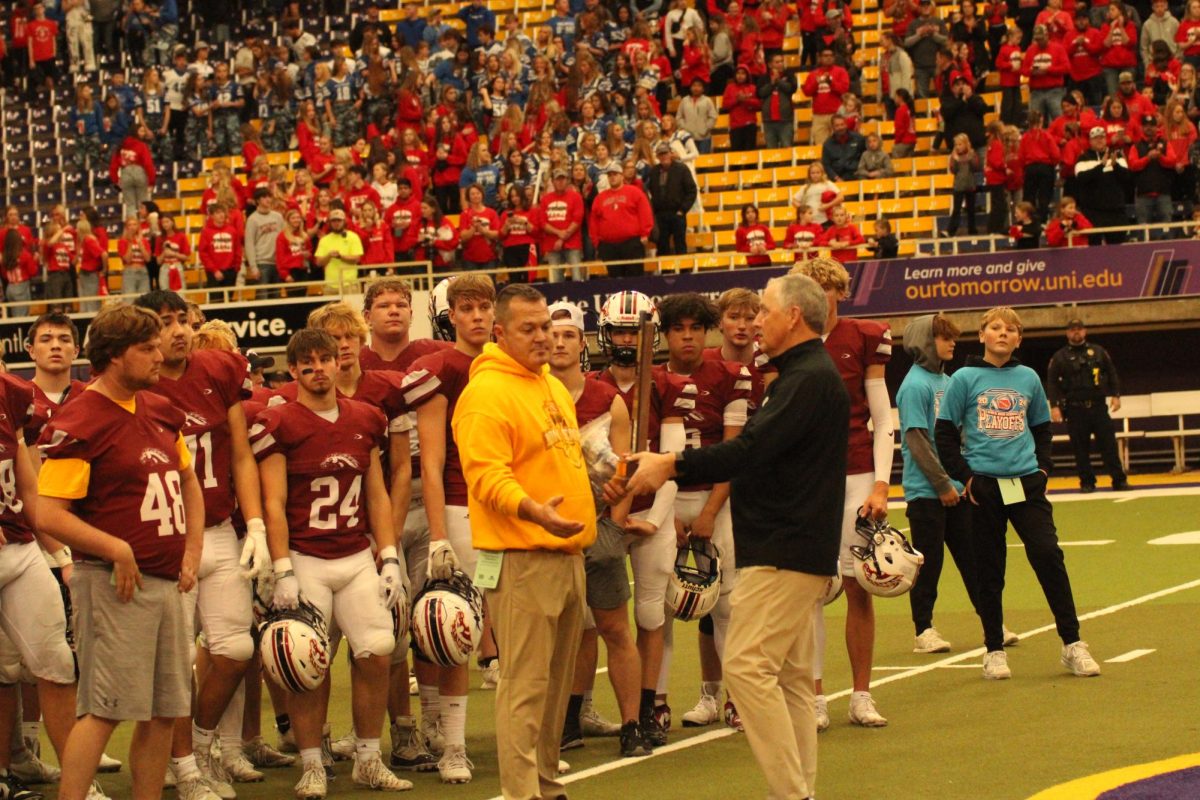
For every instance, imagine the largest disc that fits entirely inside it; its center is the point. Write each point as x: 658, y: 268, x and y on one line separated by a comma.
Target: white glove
x: 255, y: 557
x: 442, y: 561
x: 287, y: 588
x: 391, y: 584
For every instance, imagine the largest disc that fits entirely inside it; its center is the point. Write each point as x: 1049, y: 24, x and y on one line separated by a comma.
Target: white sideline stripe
x: 945, y: 666
x: 912, y: 672
x: 601, y: 670
x: 1130, y: 656
x: 1125, y: 499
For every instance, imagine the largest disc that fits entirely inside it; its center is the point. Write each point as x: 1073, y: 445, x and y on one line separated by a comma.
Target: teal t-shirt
x: 995, y: 409
x: 918, y: 400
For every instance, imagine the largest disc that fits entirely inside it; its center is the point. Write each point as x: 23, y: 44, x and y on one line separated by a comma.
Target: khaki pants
x: 537, y: 615
x: 768, y: 666
x: 822, y: 128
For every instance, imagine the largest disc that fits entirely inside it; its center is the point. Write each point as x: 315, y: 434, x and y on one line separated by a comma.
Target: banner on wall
x: 952, y: 283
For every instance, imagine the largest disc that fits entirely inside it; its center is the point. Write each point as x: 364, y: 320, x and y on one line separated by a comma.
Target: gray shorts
x: 133, y: 657
x: 604, y: 566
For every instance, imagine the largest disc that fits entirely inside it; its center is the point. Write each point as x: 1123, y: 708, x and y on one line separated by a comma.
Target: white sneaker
x: 96, y: 793
x: 263, y: 756
x: 930, y: 641
x: 240, y: 768
x: 821, y: 708
x: 370, y: 773
x: 1078, y: 659
x: 194, y: 788
x: 592, y: 724
x: 491, y: 675
x: 431, y: 732
x: 454, y: 766
x: 108, y: 764
x: 311, y: 785
x: 706, y: 711
x: 1010, y: 638
x: 214, y: 774
x: 995, y: 666
x: 343, y: 748
x: 863, y: 712
x: 29, y: 769
x: 169, y: 781
x: 563, y: 767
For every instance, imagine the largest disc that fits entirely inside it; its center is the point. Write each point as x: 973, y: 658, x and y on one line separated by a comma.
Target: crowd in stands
x: 472, y: 140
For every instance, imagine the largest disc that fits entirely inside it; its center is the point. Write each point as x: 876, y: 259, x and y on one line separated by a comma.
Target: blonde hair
x: 738, y: 299
x: 215, y: 335
x: 338, y: 316
x: 1004, y: 314
x: 827, y: 272
x: 473, y: 286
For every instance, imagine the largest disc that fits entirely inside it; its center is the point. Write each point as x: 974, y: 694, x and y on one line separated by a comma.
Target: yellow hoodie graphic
x: 517, y: 436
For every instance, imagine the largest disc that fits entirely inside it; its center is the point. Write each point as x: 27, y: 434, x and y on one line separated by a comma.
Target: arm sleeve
x: 922, y: 452
x: 949, y: 447
x: 881, y: 421
x: 65, y: 478
x: 672, y: 438
x: 1042, y: 442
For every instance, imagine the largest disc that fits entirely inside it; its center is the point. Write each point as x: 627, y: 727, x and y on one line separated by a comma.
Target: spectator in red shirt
x: 697, y: 60
x: 1073, y: 110
x: 478, y: 230
x: 620, y: 223
x: 904, y: 133
x: 438, y: 238
x: 519, y: 229
x: 1188, y: 33
x: 403, y: 218
x: 562, y: 226
x: 1084, y: 47
x: 1039, y: 157
x: 293, y: 250
x: 1120, y: 47
x: 802, y: 235
x: 220, y: 247
x: 1162, y: 72
x: 93, y: 262
x: 742, y: 104
x: 825, y: 85
x: 1059, y: 24
x: 132, y: 168
x: 753, y: 238
x: 43, y: 52
x: 1046, y: 66
x: 1139, y: 105
x: 772, y: 17
x: 378, y: 246
x: 1008, y: 63
x: 135, y: 252
x: 172, y: 250
x: 842, y: 237
x: 19, y: 266
x: 1067, y: 227
x: 995, y: 175
x: 1122, y: 126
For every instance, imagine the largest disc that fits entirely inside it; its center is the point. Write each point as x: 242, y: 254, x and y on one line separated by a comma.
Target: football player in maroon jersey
x: 714, y: 407
x: 388, y: 309
x: 603, y: 420
x: 861, y: 349
x: 137, y: 535
x: 34, y: 623
x: 652, y: 552
x: 432, y: 387
x: 208, y: 387
x: 383, y: 390
x: 53, y: 345
x: 319, y: 463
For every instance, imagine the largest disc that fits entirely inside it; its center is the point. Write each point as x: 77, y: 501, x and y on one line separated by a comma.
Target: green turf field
x: 952, y: 735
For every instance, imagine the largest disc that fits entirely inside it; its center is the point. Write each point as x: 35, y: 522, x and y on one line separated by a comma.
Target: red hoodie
x: 377, y: 244
x: 290, y: 255
x: 742, y: 103
x: 1038, y: 147
x: 847, y: 233
x: 478, y: 249
x: 220, y: 248
x: 408, y: 212
x: 620, y: 214
x: 132, y: 152
x: 1009, y: 63
x: 1051, y: 59
x: 1084, y: 49
x: 560, y: 209
x: 1058, y: 235
x: 995, y: 173
x: 747, y: 236
x: 826, y: 85
x: 93, y: 256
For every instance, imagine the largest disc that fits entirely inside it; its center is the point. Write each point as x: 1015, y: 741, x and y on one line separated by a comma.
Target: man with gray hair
x: 787, y: 495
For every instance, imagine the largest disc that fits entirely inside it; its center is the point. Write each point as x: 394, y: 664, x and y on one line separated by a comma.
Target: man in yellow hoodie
x: 532, y: 515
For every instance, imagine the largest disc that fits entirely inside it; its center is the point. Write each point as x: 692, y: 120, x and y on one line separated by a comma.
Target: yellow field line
x: 1093, y: 785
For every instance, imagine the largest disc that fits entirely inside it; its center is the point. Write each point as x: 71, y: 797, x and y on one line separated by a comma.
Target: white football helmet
x: 833, y: 589
x: 439, y: 312
x: 693, y: 591
x: 624, y: 310
x: 447, y: 620
x: 294, y: 643
x: 887, y: 565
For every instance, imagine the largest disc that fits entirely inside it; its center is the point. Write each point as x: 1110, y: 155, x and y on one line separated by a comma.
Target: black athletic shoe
x: 633, y: 743
x: 13, y: 789
x: 572, y: 737
x: 1121, y: 486
x: 1087, y: 489
x: 654, y: 734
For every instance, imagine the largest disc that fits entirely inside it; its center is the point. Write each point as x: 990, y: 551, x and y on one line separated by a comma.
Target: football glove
x: 442, y: 561
x: 287, y: 588
x: 391, y: 584
x: 255, y: 559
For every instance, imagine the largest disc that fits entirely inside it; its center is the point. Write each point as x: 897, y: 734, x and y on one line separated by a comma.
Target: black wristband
x: 287, y: 573
x: 390, y: 560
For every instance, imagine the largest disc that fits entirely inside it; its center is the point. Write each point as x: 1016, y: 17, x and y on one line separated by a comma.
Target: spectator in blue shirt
x: 477, y: 15
x: 563, y: 24
x: 411, y: 29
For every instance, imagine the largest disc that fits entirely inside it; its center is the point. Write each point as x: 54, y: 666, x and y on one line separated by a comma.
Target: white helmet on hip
x: 295, y: 647
x: 693, y: 591
x: 447, y: 620
x: 887, y: 565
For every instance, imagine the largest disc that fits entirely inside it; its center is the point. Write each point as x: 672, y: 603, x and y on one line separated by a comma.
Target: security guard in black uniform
x: 1081, y: 376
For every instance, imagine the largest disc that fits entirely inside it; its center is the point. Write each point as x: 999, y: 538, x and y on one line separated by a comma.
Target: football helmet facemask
x: 887, y: 565
x: 439, y: 312
x: 294, y: 643
x: 447, y: 620
x: 692, y: 591
x: 624, y: 310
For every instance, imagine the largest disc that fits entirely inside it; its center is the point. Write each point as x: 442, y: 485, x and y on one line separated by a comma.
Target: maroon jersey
x: 135, y: 492
x: 594, y: 402
x: 212, y: 382
x: 854, y: 345
x: 715, y: 395
x: 444, y: 372
x: 368, y: 359
x: 17, y: 407
x: 658, y: 388
x: 46, y: 406
x: 759, y: 369
x: 379, y: 389
x: 327, y: 464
